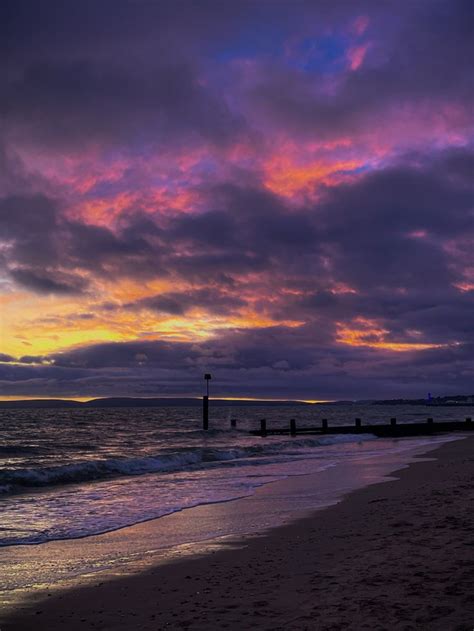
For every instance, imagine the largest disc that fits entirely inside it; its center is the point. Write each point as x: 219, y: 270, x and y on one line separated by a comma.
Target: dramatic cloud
x: 280, y: 194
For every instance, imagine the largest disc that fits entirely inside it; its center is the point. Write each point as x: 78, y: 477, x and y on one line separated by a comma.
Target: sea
x: 66, y: 474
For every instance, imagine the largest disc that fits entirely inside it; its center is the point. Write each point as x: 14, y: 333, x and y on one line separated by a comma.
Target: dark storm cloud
x: 251, y: 231
x: 400, y: 199
x: 276, y: 361
x: 54, y: 283
x: 31, y: 233
x: 276, y: 347
x: 97, y: 246
x: 79, y: 101
x: 44, y: 250
x: 179, y: 303
x: 75, y: 74
x: 117, y: 355
x: 390, y: 228
x: 136, y: 73
x: 456, y: 165
x: 416, y: 316
x: 417, y: 53
x: 36, y: 212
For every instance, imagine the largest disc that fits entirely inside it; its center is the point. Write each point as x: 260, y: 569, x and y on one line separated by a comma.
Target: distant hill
x: 129, y: 402
x: 40, y: 403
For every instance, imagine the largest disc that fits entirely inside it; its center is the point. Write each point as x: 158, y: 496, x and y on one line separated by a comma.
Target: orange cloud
x: 40, y: 325
x: 104, y: 211
x: 366, y: 332
x: 287, y: 178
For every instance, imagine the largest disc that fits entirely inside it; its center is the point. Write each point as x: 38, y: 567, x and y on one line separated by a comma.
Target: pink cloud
x: 360, y: 25
x: 356, y: 56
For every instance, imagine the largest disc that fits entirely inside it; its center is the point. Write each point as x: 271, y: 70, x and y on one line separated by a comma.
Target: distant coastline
x: 126, y: 402
x: 129, y: 402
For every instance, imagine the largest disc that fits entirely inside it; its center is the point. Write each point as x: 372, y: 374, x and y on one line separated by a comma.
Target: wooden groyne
x: 392, y: 429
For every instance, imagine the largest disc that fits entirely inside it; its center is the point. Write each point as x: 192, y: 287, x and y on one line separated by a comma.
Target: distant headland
x: 138, y: 402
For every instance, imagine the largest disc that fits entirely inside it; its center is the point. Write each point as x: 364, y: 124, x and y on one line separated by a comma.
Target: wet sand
x: 395, y: 555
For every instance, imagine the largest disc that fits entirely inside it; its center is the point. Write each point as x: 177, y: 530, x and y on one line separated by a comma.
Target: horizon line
x: 13, y: 398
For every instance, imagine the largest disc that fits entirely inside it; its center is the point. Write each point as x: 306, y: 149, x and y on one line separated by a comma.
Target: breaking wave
x: 16, y: 480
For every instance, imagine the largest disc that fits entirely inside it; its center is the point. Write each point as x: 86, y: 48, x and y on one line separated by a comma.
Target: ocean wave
x: 16, y: 480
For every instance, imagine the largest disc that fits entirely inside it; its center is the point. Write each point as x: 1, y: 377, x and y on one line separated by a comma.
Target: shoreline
x: 71, y: 562
x: 412, y: 449
x: 269, y: 556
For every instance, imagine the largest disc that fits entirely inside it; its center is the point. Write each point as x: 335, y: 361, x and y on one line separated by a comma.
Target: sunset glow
x: 292, y: 211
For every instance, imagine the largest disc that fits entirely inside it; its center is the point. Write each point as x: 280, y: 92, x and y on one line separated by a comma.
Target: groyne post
x: 205, y: 403
x: 358, y: 424
x: 324, y: 424
x: 263, y: 426
x: 205, y: 412
x: 469, y: 422
x: 430, y: 423
x: 393, y: 422
x: 233, y: 423
x: 293, y: 427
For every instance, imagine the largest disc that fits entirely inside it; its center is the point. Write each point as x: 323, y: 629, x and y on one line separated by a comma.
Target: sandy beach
x: 394, y: 555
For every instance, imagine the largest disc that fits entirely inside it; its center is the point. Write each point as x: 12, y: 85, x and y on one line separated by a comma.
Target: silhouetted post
x: 324, y: 424
x: 393, y: 422
x: 358, y: 424
x: 293, y: 427
x: 205, y: 412
x: 233, y: 422
x: 469, y: 422
x: 263, y: 427
x: 207, y: 377
x: 430, y: 423
x: 205, y: 403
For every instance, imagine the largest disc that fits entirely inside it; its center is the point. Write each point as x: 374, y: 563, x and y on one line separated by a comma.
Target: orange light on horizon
x: 184, y: 396
x: 27, y: 397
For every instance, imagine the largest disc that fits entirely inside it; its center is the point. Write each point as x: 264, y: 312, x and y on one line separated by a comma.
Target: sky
x: 276, y: 192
